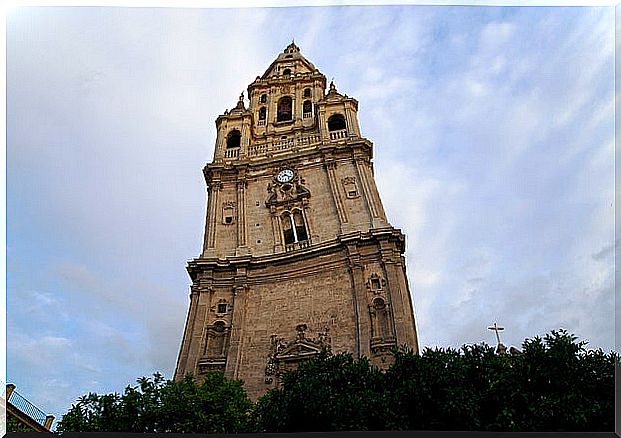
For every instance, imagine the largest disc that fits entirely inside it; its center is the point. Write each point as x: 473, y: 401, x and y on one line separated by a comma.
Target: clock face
x: 284, y: 175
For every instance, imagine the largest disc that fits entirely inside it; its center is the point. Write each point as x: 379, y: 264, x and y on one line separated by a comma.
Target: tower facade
x: 298, y: 254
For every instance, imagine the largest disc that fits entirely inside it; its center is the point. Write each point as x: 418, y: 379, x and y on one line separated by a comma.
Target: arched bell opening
x: 233, y: 140
x: 336, y: 122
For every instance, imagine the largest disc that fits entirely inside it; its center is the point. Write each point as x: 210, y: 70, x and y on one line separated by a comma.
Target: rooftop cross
x: 496, y: 329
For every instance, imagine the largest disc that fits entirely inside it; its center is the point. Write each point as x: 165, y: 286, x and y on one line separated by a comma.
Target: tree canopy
x: 217, y: 405
x: 553, y: 384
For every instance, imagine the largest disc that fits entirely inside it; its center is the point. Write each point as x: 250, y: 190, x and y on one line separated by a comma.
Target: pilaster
x: 330, y: 166
x: 363, y: 326
x: 242, y: 248
x: 235, y: 351
x: 400, y: 308
x: 214, y: 192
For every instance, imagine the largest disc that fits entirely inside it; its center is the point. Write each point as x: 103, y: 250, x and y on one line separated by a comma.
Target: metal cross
x: 496, y: 329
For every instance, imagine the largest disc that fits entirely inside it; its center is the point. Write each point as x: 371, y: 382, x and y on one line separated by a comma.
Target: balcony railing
x: 297, y: 245
x: 337, y: 135
x: 282, y: 145
x: 231, y: 153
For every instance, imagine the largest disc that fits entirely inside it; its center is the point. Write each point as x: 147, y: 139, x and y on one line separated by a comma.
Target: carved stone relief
x: 350, y: 186
x: 228, y: 212
x: 376, y: 284
x: 286, y: 355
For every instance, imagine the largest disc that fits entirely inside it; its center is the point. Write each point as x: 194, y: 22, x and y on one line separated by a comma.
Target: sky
x: 493, y: 130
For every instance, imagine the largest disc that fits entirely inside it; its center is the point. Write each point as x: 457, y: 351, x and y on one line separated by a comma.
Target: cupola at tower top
x: 289, y: 63
x: 288, y: 111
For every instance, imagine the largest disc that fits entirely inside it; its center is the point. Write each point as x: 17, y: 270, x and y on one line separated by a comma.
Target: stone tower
x: 298, y: 254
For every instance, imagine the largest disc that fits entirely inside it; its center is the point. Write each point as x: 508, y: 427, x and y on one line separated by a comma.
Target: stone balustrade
x: 337, y: 135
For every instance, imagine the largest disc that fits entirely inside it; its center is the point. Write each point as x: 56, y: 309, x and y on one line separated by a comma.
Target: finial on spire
x: 241, y: 97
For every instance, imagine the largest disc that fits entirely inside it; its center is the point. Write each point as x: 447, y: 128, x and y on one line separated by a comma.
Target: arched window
x: 262, y: 113
x: 263, y: 98
x: 284, y: 109
x: 286, y: 72
x: 293, y: 227
x: 336, y: 122
x: 287, y: 229
x: 307, y: 92
x: 307, y: 106
x: 300, y: 228
x: 233, y: 140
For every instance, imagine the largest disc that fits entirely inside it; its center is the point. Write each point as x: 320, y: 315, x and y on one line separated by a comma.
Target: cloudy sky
x: 494, y: 153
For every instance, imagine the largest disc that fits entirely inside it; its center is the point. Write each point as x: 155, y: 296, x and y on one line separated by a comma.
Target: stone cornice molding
x: 378, y: 235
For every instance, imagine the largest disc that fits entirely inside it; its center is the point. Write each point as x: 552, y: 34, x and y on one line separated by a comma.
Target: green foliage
x: 554, y: 384
x: 218, y: 405
x: 325, y: 393
x: 14, y: 425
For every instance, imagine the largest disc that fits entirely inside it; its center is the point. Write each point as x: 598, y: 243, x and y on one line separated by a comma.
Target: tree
x: 327, y: 392
x: 14, y: 425
x: 553, y: 384
x: 217, y: 405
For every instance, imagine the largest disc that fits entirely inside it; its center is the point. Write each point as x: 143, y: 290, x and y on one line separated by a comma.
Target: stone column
x: 409, y: 306
x: 201, y: 319
x: 323, y: 131
x: 398, y: 297
x: 215, y: 188
x: 241, y: 217
x: 377, y: 200
x: 334, y: 189
x: 364, y: 188
x: 351, y: 129
x: 187, y: 333
x: 278, y: 246
x: 363, y: 323
x: 235, y: 350
x: 362, y: 163
x: 310, y: 223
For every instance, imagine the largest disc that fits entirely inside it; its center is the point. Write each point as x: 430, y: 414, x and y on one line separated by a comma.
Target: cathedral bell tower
x: 298, y: 254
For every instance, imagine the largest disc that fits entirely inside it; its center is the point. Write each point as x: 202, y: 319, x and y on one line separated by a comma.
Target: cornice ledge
x: 333, y: 245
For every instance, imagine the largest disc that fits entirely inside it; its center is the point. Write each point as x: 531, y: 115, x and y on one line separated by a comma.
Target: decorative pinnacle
x: 332, y: 90
x: 240, y: 103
